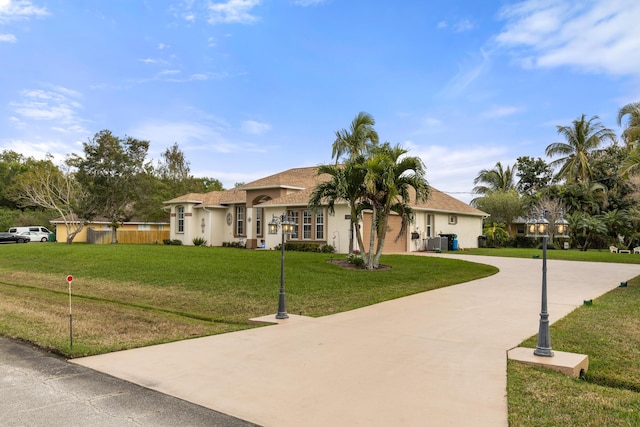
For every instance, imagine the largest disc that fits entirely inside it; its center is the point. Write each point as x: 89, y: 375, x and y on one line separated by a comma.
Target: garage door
x: 390, y: 243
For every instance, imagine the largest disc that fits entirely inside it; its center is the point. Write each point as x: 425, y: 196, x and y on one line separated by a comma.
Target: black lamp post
x: 288, y: 227
x: 539, y: 227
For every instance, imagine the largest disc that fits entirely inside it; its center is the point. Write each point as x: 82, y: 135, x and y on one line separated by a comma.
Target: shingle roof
x: 305, y: 180
x: 211, y: 199
x: 299, y: 178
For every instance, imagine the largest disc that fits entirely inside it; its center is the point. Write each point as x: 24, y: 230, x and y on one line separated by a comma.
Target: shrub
x: 166, y: 241
x: 176, y: 242
x: 355, y: 258
x: 199, y: 241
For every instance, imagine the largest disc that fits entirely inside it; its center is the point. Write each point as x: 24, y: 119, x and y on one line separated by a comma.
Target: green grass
x: 131, y: 295
x: 609, y: 395
x: 592, y: 255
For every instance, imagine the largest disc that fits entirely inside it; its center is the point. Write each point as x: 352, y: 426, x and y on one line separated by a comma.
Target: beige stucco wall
x: 216, y: 231
x: 466, y: 227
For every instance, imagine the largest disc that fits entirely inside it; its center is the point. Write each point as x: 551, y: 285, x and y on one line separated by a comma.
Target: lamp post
x: 288, y: 227
x: 538, y: 226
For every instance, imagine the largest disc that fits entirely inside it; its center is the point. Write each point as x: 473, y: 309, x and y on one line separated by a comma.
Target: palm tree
x: 631, y: 134
x: 496, y: 179
x: 390, y: 175
x: 356, y: 140
x: 583, y: 139
x: 346, y: 183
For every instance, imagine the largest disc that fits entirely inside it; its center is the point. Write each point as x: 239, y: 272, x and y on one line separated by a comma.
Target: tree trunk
x: 381, y: 240
x: 372, y: 237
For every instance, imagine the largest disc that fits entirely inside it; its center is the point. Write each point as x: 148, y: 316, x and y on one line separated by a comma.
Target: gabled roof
x: 442, y: 202
x: 212, y: 198
x: 303, y: 181
x: 297, y: 178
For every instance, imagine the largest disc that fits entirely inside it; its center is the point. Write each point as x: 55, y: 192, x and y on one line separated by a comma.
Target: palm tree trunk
x: 383, y: 222
x: 372, y: 238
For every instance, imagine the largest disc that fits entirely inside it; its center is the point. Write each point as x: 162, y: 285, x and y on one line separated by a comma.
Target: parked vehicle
x: 35, y: 237
x: 13, y: 238
x: 37, y: 232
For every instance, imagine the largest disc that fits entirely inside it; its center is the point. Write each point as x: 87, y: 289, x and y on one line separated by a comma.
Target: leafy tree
x: 496, y: 234
x: 586, y: 229
x: 12, y: 164
x: 44, y: 185
x: 631, y: 133
x: 206, y: 184
x: 496, y: 179
x: 534, y: 175
x: 8, y: 218
x: 606, y: 167
x: 502, y: 207
x: 173, y: 165
x: 110, y: 172
x: 582, y: 140
x: 357, y: 140
x: 579, y: 198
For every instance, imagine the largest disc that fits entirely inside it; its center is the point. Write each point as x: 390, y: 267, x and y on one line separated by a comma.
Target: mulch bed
x: 347, y: 265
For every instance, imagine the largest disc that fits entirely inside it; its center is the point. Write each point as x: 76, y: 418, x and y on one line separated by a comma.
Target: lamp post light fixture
x: 538, y: 226
x: 288, y: 227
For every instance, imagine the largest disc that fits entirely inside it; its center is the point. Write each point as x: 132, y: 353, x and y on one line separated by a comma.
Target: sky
x: 249, y: 88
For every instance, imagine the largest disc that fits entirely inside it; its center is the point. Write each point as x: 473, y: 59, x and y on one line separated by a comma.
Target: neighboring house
x: 241, y: 215
x: 99, y: 231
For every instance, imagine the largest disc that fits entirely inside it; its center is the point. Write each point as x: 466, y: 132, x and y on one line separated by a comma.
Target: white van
x: 35, y: 232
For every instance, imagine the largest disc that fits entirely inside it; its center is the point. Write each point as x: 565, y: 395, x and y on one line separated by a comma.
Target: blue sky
x: 248, y: 88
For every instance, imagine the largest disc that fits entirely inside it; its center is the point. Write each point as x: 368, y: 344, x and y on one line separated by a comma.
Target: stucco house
x: 241, y: 215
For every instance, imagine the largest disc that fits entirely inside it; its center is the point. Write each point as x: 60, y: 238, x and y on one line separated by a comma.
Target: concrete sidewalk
x: 436, y: 358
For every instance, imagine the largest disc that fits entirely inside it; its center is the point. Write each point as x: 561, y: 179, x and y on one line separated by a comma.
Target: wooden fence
x: 135, y: 236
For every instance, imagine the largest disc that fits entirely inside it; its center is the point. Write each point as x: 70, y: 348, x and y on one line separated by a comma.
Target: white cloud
x: 467, y: 74
x: 255, y: 128
x: 233, y: 11
x: 58, y: 105
x: 189, y: 135
x: 154, y: 61
x: 7, y: 38
x: 38, y: 149
x: 463, y: 25
x: 11, y: 10
x: 498, y: 111
x: 452, y: 170
x: 594, y: 36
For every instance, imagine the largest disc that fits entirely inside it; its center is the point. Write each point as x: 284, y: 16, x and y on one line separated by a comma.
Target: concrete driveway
x: 436, y: 358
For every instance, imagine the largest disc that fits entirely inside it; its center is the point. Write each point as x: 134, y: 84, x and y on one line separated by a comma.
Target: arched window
x: 180, y: 219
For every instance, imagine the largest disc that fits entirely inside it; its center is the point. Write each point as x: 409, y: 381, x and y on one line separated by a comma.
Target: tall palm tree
x: 389, y: 177
x: 631, y: 133
x: 345, y: 183
x: 356, y: 140
x: 583, y: 139
x: 496, y: 179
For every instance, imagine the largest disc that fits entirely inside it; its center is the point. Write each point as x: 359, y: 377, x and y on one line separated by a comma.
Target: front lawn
x: 126, y: 296
x: 592, y: 255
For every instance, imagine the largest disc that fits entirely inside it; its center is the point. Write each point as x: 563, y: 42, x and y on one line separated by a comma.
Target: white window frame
x: 180, y: 219
x: 320, y: 225
x: 240, y: 230
x: 307, y: 224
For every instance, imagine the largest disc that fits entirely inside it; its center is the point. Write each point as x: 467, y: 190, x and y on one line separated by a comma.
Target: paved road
x: 436, y: 358
x: 38, y: 389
